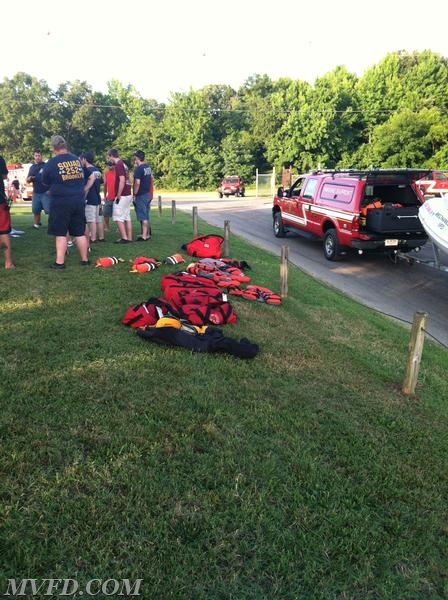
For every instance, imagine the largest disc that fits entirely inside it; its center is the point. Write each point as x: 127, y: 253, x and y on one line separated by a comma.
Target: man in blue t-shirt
x: 93, y: 178
x: 64, y: 175
x: 142, y: 194
x: 40, y: 200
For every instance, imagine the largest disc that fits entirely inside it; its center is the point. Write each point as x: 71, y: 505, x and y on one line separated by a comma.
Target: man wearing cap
x: 64, y: 175
x: 142, y: 194
x: 93, y: 179
x: 123, y: 198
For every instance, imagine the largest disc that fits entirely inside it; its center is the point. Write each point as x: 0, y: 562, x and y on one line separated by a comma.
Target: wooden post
x: 195, y: 220
x: 173, y: 212
x: 284, y: 272
x: 415, y: 352
x: 159, y: 198
x: 226, y: 245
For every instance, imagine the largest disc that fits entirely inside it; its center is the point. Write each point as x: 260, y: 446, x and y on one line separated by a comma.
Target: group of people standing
x: 68, y: 189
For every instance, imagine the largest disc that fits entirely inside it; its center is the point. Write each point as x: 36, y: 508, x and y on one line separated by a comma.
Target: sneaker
x: 101, y: 240
x: 16, y: 231
x: 121, y: 241
x: 14, y: 235
x: 142, y: 239
x: 70, y: 244
x: 85, y: 263
x: 57, y: 266
x: 37, y: 225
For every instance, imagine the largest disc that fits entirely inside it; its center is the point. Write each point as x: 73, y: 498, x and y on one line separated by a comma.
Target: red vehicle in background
x: 20, y: 171
x: 231, y: 186
x: 435, y: 184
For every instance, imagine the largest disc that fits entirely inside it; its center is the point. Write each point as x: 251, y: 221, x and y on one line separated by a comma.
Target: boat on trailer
x: 433, y: 215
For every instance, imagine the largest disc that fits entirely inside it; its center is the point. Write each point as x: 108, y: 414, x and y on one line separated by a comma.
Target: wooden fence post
x: 195, y: 220
x: 284, y: 272
x: 226, y: 246
x: 415, y: 352
x: 159, y: 199
x: 173, y: 212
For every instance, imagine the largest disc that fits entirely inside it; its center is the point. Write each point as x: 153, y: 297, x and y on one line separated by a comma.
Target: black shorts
x: 67, y: 215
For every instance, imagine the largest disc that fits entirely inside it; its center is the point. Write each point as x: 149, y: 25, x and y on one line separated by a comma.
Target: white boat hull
x: 433, y: 215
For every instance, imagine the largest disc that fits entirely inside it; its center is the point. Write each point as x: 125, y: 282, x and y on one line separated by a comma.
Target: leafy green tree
x: 237, y: 154
x: 26, y: 118
x: 395, y: 115
x: 403, y: 80
x: 256, y: 117
x: 289, y: 107
x: 409, y: 139
x: 340, y: 126
x: 140, y: 128
x: 88, y: 120
x: 191, y: 153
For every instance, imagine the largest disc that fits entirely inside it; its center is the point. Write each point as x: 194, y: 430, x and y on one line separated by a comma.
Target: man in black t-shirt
x: 142, y: 194
x: 64, y: 175
x: 40, y: 200
x: 93, y: 179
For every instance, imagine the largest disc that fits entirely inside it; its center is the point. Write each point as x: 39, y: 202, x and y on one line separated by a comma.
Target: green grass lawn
x: 301, y: 474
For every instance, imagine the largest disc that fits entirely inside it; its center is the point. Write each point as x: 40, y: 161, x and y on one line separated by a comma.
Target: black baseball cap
x: 140, y: 155
x: 88, y: 156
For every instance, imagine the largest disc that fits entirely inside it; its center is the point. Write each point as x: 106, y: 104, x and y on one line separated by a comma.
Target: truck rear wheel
x: 332, y: 249
x: 279, y: 230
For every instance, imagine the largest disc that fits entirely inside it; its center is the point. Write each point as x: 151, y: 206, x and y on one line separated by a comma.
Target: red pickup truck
x: 369, y: 210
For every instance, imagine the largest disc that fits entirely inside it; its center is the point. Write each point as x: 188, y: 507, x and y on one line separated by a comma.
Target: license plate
x: 391, y: 242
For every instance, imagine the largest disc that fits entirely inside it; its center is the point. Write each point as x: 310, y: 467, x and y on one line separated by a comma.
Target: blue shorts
x: 39, y: 203
x: 67, y: 215
x: 108, y: 208
x: 142, y: 204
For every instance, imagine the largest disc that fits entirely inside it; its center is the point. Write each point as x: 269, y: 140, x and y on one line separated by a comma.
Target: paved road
x: 396, y: 289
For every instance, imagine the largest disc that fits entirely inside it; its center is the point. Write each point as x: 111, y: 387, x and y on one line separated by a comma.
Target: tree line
x: 394, y: 115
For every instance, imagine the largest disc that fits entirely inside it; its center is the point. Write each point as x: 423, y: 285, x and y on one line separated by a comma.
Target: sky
x: 176, y: 45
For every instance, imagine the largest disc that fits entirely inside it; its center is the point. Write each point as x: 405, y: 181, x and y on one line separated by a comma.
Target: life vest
x: 376, y: 204
x: 107, y: 261
x: 174, y: 259
x: 147, y: 313
x: 184, y: 278
x: 144, y: 264
x: 259, y: 294
x: 218, y: 314
x: 145, y: 259
x: 204, y: 295
x: 205, y: 246
x: 239, y: 264
x: 225, y: 277
x: 144, y: 267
